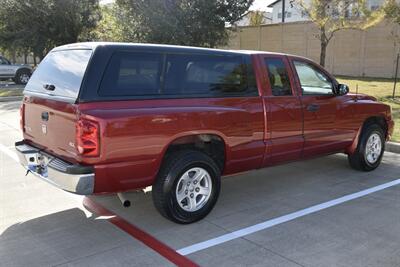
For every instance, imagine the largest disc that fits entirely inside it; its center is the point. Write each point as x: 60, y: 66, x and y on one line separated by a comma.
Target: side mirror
x: 341, y: 89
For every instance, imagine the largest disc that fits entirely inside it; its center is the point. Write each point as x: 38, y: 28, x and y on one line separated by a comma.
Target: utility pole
x: 283, y: 11
x: 395, y: 76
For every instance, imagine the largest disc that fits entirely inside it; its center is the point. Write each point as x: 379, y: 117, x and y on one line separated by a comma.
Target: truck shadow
x: 58, y: 238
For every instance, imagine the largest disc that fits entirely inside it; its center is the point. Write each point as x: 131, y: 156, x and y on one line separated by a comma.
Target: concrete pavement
x: 43, y: 226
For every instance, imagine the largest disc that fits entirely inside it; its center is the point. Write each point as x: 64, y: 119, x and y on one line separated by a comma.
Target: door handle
x: 313, y: 107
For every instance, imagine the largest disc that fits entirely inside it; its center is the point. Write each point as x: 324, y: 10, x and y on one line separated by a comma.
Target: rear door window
x: 64, y: 70
x: 132, y: 74
x: 278, y: 77
x: 205, y: 75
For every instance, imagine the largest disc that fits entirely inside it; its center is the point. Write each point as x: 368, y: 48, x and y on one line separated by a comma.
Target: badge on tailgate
x: 44, y: 128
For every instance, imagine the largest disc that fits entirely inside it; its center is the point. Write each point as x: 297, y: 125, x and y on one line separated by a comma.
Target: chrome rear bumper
x: 73, y: 178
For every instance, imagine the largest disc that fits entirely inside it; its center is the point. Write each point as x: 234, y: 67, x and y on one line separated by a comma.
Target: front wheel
x: 187, y: 186
x: 370, y: 149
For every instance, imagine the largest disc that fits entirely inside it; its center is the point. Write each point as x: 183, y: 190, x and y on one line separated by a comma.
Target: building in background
x: 294, y: 13
x: 245, y: 21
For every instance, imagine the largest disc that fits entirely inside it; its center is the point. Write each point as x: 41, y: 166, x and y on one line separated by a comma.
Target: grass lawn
x: 10, y: 92
x: 382, y: 89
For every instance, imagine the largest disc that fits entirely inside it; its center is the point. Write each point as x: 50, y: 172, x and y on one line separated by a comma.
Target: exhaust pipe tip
x: 125, y: 202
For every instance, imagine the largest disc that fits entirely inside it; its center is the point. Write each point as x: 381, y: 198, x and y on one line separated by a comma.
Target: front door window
x: 313, y: 81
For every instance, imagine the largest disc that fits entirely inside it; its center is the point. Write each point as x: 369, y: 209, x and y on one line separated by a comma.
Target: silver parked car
x: 20, y: 74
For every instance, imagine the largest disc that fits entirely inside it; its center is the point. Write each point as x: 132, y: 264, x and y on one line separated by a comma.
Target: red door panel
x: 322, y: 110
x: 319, y: 124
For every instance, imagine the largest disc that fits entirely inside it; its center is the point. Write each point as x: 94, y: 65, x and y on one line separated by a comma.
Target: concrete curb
x: 10, y: 98
x: 393, y: 147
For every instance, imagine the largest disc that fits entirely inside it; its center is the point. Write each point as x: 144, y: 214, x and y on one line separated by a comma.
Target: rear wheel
x: 370, y: 149
x: 22, y: 76
x: 187, y: 186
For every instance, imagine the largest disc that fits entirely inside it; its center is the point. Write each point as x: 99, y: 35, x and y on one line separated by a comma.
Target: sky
x: 258, y: 4
x: 261, y: 5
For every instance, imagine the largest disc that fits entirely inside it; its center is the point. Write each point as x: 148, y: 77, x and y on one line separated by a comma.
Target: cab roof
x: 175, y: 48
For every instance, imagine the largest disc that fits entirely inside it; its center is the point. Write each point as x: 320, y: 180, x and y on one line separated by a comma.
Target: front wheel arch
x: 358, y: 160
x: 379, y: 120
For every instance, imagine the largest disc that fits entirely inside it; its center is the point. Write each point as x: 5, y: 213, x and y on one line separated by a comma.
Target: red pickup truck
x: 113, y: 117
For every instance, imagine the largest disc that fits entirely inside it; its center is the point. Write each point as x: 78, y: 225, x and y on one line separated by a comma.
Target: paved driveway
x: 263, y: 218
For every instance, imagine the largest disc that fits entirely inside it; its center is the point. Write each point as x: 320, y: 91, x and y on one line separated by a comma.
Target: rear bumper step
x: 73, y: 178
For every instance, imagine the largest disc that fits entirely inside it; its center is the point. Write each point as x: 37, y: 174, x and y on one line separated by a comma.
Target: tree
x: 392, y: 11
x: 108, y: 28
x: 39, y: 25
x: 180, y: 22
x: 256, y: 18
x: 331, y: 16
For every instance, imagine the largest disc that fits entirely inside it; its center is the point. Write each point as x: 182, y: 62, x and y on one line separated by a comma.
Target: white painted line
x: 289, y: 217
x: 9, y: 152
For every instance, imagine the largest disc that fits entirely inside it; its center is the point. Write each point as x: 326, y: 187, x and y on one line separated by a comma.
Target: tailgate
x: 50, y: 125
x: 49, y: 113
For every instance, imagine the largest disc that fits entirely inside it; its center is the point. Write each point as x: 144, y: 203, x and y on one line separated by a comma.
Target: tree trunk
x: 14, y: 56
x: 324, y: 44
x: 34, y: 59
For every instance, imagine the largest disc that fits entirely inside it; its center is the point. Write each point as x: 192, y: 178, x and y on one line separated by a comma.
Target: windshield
x: 62, y: 71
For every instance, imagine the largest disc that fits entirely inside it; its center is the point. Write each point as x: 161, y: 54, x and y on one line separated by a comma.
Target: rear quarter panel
x: 135, y: 135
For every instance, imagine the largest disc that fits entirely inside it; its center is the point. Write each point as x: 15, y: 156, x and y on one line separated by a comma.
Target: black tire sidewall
x: 19, y: 74
x: 183, y: 164
x: 372, y: 129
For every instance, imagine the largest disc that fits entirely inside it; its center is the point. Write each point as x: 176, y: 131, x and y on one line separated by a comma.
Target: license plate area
x: 37, y: 163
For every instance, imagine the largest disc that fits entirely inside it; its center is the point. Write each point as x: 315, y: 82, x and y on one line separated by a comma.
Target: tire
x: 360, y: 160
x: 22, y: 76
x: 178, y: 169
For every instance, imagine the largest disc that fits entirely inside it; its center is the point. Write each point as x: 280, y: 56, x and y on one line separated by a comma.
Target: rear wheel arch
x: 175, y: 187
x: 19, y: 72
x: 23, y: 70
x: 210, y: 144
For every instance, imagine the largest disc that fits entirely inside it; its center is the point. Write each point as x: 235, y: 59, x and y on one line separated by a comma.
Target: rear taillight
x: 22, y: 117
x: 87, y: 138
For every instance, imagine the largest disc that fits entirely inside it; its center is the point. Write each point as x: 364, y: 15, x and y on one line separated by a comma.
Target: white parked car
x: 20, y: 74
